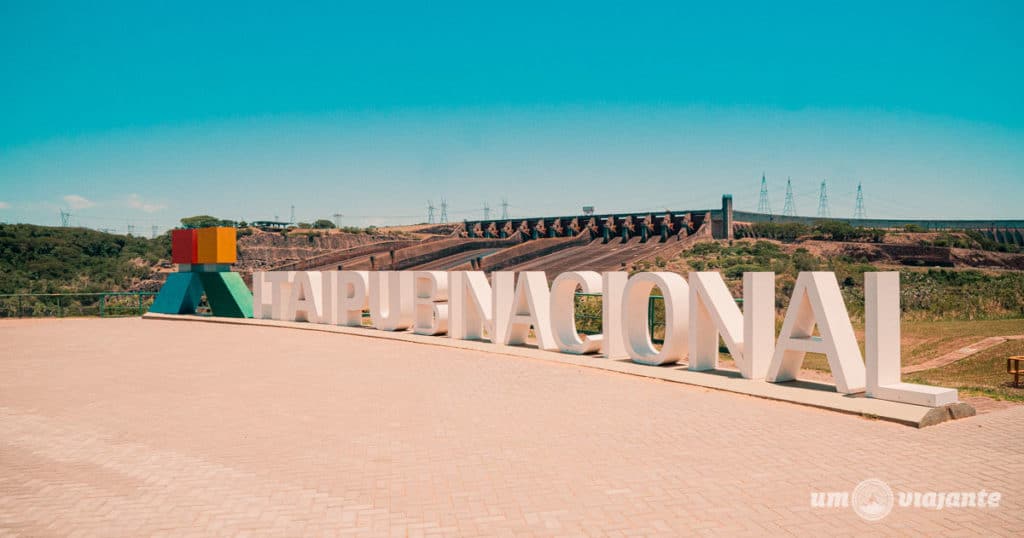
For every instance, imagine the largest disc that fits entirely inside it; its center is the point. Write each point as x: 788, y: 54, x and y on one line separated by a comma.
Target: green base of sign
x: 226, y: 293
x: 180, y: 294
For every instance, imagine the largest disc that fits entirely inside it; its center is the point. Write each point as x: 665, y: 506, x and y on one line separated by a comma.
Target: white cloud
x: 75, y: 201
x: 136, y: 201
x: 4, y: 205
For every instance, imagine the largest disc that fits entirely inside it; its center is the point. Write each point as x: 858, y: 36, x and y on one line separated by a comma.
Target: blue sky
x: 141, y: 113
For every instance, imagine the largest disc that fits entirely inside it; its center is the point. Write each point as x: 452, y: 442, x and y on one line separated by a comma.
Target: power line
x: 763, y: 206
x: 789, y: 208
x: 823, y: 210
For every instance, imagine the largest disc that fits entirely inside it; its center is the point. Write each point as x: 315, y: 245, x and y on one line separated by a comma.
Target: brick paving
x: 129, y: 427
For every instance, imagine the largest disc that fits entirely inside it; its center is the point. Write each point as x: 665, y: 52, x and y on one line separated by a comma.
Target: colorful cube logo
x: 204, y: 256
x: 205, y: 245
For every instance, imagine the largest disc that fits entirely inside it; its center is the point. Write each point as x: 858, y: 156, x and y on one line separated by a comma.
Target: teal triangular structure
x: 227, y: 294
x: 180, y: 294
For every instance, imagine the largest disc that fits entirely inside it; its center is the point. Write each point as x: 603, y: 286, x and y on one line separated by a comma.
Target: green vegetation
x: 983, y: 373
x: 970, y: 239
x: 934, y: 294
x: 825, y: 230
x: 324, y: 224
x: 205, y: 221
x: 41, y: 259
x: 369, y: 230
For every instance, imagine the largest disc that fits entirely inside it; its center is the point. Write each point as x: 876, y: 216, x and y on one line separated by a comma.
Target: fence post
x: 139, y: 296
x: 103, y: 304
x: 19, y: 307
x: 650, y: 316
x: 60, y: 311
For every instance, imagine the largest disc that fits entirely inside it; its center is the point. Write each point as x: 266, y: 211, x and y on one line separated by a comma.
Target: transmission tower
x: 789, y: 209
x: 487, y: 211
x: 131, y: 229
x: 154, y: 231
x: 64, y: 217
x: 823, y: 210
x: 292, y: 221
x: 444, y: 211
x: 763, y: 206
x: 337, y: 219
x: 858, y: 211
x: 430, y: 211
x: 504, y: 208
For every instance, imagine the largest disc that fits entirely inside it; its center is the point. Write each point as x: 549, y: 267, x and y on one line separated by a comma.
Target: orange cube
x: 216, y: 245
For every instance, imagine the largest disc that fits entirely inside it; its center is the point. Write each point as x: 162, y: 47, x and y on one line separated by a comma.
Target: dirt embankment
x: 914, y: 255
x: 263, y: 250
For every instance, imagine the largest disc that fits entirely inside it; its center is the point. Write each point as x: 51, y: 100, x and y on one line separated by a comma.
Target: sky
x: 132, y: 115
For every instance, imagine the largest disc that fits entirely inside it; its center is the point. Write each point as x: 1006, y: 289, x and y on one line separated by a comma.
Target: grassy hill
x: 44, y: 259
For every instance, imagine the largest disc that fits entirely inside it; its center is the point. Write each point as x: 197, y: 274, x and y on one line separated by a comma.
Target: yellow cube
x: 216, y: 245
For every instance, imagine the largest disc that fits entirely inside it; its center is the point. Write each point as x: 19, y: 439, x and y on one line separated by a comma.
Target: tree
x: 202, y: 221
x: 323, y: 224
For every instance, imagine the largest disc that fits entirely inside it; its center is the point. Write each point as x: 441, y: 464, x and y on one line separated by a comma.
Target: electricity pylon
x: 504, y: 208
x: 444, y: 211
x: 487, y: 211
x: 858, y: 210
x: 823, y: 210
x: 430, y: 211
x: 763, y: 206
x: 789, y: 209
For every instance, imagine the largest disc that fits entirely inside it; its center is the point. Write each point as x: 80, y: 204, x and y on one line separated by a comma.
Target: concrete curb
x: 798, y: 392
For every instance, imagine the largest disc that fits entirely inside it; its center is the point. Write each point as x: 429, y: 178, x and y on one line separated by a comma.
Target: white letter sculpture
x: 563, y: 311
x: 750, y: 336
x: 431, y: 302
x: 391, y: 300
x: 635, y: 320
x: 280, y: 293
x: 531, y: 305
x: 306, y: 300
x: 262, y: 296
x: 882, y: 344
x: 345, y: 297
x: 613, y: 286
x: 817, y: 300
x: 714, y: 312
x: 473, y: 304
x: 758, y: 323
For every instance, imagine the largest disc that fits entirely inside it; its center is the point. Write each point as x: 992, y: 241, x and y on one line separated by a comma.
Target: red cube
x: 184, y: 246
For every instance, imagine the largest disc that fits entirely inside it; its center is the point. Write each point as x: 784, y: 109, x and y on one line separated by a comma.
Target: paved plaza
x: 130, y: 427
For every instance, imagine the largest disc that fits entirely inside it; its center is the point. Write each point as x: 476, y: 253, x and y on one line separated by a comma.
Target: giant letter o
x: 635, y: 321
